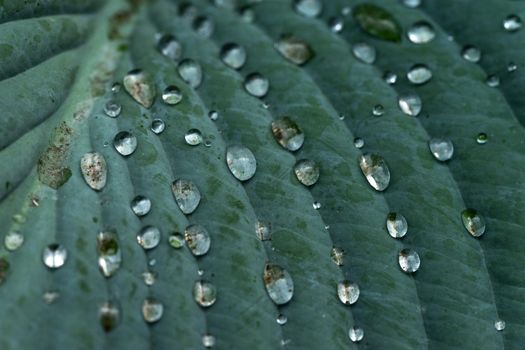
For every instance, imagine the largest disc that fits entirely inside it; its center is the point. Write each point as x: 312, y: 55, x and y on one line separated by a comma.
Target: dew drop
x: 397, y: 225
x: 263, y: 231
x: 241, y: 162
x: 140, y: 205
x: 149, y: 278
x: 4, y: 269
x: 214, y: 115
x: 390, y: 77
x: 54, y: 256
x: 364, y: 52
x: 410, y: 104
x: 186, y: 195
x: 345, y: 11
x: 492, y: 81
x: 94, y: 170
x: 419, y: 74
x: 13, y: 240
x: 204, y: 293
x: 511, y: 67
x: 158, y: 126
x: 348, y: 292
x: 169, y: 46
x: 115, y: 88
x: 482, y: 138
x: 499, y: 325
x: 293, y: 49
x: 148, y: 237
x: 208, y: 340
x: 256, y: 85
x: 193, y: 137
x: 287, y: 133
x: 359, y: 142
x: 356, y: 334
x: 316, y: 205
x: 191, y: 72
x: 336, y: 24
x: 247, y: 14
x: 278, y: 283
x: 112, y: 109
x: 308, y: 8
x: 441, y: 148
x: 152, y: 310
x: 473, y: 222
x: 233, y: 55
x: 197, y: 239
x: 204, y: 26
x: 409, y: 260
x: 176, y: 240
x: 306, y: 171
x: 171, y: 95
x: 375, y: 170
x: 109, y: 316
x: 337, y: 256
x: 512, y: 23
x: 281, y: 319
x: 109, y: 254
x: 125, y: 143
x: 378, y: 110
x: 188, y: 11
x: 471, y: 53
x: 140, y: 86
x: 421, y: 32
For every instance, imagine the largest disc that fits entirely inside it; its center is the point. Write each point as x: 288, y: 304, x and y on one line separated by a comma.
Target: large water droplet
x: 186, y: 195
x: 176, y: 240
x: 294, y: 49
x: 287, y: 133
x: 109, y: 255
x: 152, y: 310
x: 512, y: 23
x: 197, y: 239
x: 337, y: 256
x: 109, y: 316
x: 112, y: 109
x: 482, y: 138
x: 171, y: 95
x: 473, y: 222
x: 256, y: 85
x: 13, y: 240
x: 364, y: 52
x: 499, y: 325
x: 308, y: 8
x: 140, y: 205
x: 441, y: 148
x: 375, y: 170
x: 193, y: 137
x: 410, y: 104
x: 356, y: 334
x: 191, y: 72
x: 278, y: 283
x: 263, y: 230
x: 140, y: 86
x: 54, y: 256
x: 471, y: 53
x: 419, y: 74
x: 396, y: 225
x: 208, y: 340
x: 421, y: 32
x: 204, y: 26
x: 233, y: 55
x: 170, y: 47
x: 409, y: 260
x: 148, y: 237
x: 306, y: 171
x: 158, y: 126
x: 348, y: 292
x: 125, y: 143
x: 377, y: 22
x: 94, y: 170
x: 204, y: 293
x: 241, y: 162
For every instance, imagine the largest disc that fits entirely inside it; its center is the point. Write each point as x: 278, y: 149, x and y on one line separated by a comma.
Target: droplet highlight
x: 441, y: 148
x: 287, y: 133
x: 396, y: 225
x: 125, y: 143
x: 278, y: 283
x: 54, y: 256
x: 198, y: 239
x: 241, y: 162
x: 473, y: 222
x: 256, y: 85
x: 409, y: 260
x: 375, y: 170
x: 140, y: 86
x: 348, y: 292
x: 186, y: 194
x: 148, y: 237
x: 306, y: 171
x: 204, y: 293
x: 94, y: 170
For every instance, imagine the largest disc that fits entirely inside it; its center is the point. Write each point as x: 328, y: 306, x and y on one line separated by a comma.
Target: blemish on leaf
x: 50, y: 168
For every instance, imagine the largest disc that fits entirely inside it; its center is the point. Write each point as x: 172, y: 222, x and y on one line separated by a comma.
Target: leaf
x: 378, y: 22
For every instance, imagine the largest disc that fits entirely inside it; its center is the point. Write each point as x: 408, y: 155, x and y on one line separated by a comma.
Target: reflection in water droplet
x: 294, y: 49
x: 473, y: 222
x: 348, y: 292
x: 112, y: 109
x: 308, y: 8
x: 197, y: 239
x: 409, y: 260
x: 152, y: 310
x: 390, y: 77
x: 140, y: 205
x: 94, y: 170
x: 306, y: 171
x: 13, y: 240
x: 109, y: 255
x: 191, y: 72
x: 208, y: 340
x: 471, y: 53
x: 375, y: 170
x: 482, y: 138
x: 171, y: 95
x: 499, y: 325
x: 256, y: 85
x: 176, y: 240
x: 158, y: 126
x: 410, y: 104
x: 193, y: 137
x: 419, y: 74
x: 204, y: 293
x: 396, y: 225
x: 512, y: 23
x: 356, y: 334
x: 364, y: 52
x: 278, y: 283
x: 233, y: 55
x: 140, y: 86
x: 241, y: 162
x: 492, y: 81
x: 442, y: 149
x: 263, y: 230
x: 421, y: 32
x: 54, y: 256
x: 170, y: 47
x: 359, y: 142
x: 148, y: 237
x: 287, y: 133
x: 125, y: 143
x: 281, y: 319
x: 336, y: 24
x: 109, y: 316
x: 337, y: 255
x: 203, y: 26
x: 378, y: 110
x: 186, y: 195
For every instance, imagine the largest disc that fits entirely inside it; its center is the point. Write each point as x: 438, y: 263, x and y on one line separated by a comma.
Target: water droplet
x: 356, y: 334
x: 169, y: 46
x: 188, y: 11
x: 256, y: 85
x: 390, y: 77
x: 471, y: 53
x: 54, y: 256
x: 203, y: 26
x: 421, y: 32
x: 287, y: 133
x: 200, y: 272
x: 125, y: 143
x: 359, y: 142
x: 348, y: 292
x: 152, y: 262
x: 149, y: 278
x: 13, y: 240
x: 441, y: 148
x: 140, y: 205
x: 241, y: 162
x: 306, y: 171
x: 204, y: 293
x: 140, y: 86
x: 499, y: 325
x: 412, y: 3
x: 396, y: 225
x: 492, y: 81
x: 94, y: 170
x: 109, y: 255
x: 281, y: 319
x: 512, y: 23
x: 197, y: 239
x: 345, y: 11
x: 511, y: 67
x: 152, y: 310
x: 50, y: 296
x: 294, y: 50
x: 247, y: 14
x: 419, y: 74
x: 378, y: 110
x: 233, y: 55
x: 191, y: 72
x: 410, y: 104
x: 409, y: 260
x: 112, y: 109
x: 375, y: 170
x: 336, y: 24
x: 115, y: 88
x: 186, y: 195
x: 109, y: 316
x: 193, y: 137
x: 263, y: 230
x: 337, y: 255
x: 208, y: 340
x: 207, y: 143
x: 171, y: 95
x: 377, y: 22
x: 214, y: 115
x: 482, y: 138
x: 158, y: 126
x: 473, y: 222
x: 308, y: 8
x: 364, y: 52
x: 176, y: 240
x: 278, y: 283
x: 316, y: 205
x: 148, y: 237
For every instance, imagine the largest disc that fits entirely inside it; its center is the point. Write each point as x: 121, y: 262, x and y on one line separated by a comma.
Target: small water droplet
x: 169, y: 46
x: 109, y: 316
x: 152, y: 310
x: 364, y: 52
x: 198, y: 239
x: 13, y: 240
x: 148, y: 237
x: 512, y: 67
x: 441, y: 148
x: 247, y: 14
x: 112, y: 109
x: 193, y: 137
x: 50, y: 296
x: 409, y: 260
x: 336, y: 24
x: 94, y: 170
x: 191, y: 72
x: 140, y: 86
x: 492, y: 81
x: 512, y: 23
x: 125, y: 143
x: 214, y: 115
x: 176, y: 240
x: 412, y: 3
x: 378, y: 110
x: 281, y: 319
x: 233, y: 55
x: 308, y: 8
x: 421, y: 32
x: 482, y: 138
x: 473, y: 222
x: 157, y: 126
x: 208, y: 340
x: 109, y: 254
x: 306, y: 171
x: 390, y: 77
x: 348, y: 292
x: 263, y: 230
x: 359, y: 142
x: 356, y: 334
x: 278, y: 283
x: 152, y: 262
x: 140, y: 205
x: 499, y: 325
x: 256, y: 85
x: 396, y: 225
x: 375, y: 170
x: 337, y: 256
x: 188, y: 11
x: 294, y: 49
x: 204, y: 293
x: 186, y: 195
x: 419, y: 74
x: 149, y: 278
x: 410, y: 104
x: 241, y: 162
x: 342, y: 117
x: 345, y: 11
x: 200, y: 272
x: 115, y: 88
x: 287, y: 133
x: 207, y: 143
x: 204, y: 26
x: 171, y: 95
x: 54, y: 256
x: 471, y: 53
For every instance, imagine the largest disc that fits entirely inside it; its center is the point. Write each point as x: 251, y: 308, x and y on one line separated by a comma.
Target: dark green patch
x: 377, y: 22
x: 6, y: 50
x: 50, y: 167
